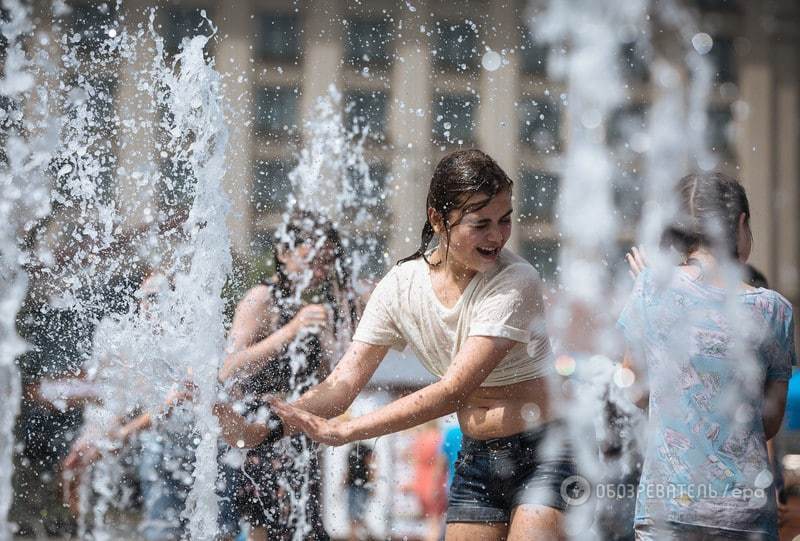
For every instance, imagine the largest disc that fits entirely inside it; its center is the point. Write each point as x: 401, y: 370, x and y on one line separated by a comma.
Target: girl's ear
x: 436, y: 221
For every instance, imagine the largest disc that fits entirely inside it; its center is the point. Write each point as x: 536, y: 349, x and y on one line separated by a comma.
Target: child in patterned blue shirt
x: 717, y: 355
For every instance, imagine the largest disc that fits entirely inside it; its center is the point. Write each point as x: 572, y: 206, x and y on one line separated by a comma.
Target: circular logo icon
x: 575, y: 490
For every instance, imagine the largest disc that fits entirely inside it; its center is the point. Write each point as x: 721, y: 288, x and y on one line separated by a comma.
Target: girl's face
x: 477, y: 238
x: 306, y: 256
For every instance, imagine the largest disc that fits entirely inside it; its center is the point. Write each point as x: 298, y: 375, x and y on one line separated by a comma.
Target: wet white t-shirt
x: 504, y: 302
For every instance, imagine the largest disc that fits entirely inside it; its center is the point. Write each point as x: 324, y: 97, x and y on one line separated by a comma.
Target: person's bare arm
x: 248, y: 353
x: 334, y: 394
x: 774, y: 406
x: 479, y: 356
x: 329, y: 398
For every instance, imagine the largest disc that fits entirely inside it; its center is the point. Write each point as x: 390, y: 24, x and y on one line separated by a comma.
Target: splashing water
x: 331, y: 184
x: 83, y: 248
x: 673, y: 143
x: 24, y: 199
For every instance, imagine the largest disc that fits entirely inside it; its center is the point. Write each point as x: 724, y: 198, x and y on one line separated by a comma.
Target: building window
x: 539, y: 125
x: 543, y: 255
x: 367, y: 109
x: 625, y: 123
x: 533, y: 56
x: 367, y: 42
x: 279, y: 37
x: 277, y: 111
x: 183, y: 22
x: 454, y: 119
x: 539, y: 195
x: 720, y: 132
x: 722, y: 58
x: 456, y: 46
x: 272, y: 187
x: 634, y: 65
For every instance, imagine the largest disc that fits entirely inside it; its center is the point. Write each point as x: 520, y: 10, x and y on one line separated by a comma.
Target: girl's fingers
x: 643, y: 255
x: 632, y: 263
x: 639, y: 256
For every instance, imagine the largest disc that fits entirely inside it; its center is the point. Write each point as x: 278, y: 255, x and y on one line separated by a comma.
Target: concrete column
x: 498, y: 123
x: 756, y: 137
x: 409, y: 130
x: 233, y: 61
x: 323, y: 50
x: 787, y: 193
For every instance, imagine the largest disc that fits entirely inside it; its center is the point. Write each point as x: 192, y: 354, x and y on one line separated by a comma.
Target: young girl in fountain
x: 717, y: 354
x: 282, y: 338
x: 472, y: 313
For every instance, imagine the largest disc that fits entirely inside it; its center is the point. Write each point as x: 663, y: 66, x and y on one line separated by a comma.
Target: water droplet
x: 531, y: 413
x: 702, y: 43
x: 763, y: 479
x: 491, y: 61
x: 565, y: 365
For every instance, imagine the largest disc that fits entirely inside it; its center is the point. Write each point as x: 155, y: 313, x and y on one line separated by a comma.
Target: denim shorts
x: 494, y: 476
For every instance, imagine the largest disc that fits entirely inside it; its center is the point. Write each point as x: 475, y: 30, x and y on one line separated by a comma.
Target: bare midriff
x: 497, y: 412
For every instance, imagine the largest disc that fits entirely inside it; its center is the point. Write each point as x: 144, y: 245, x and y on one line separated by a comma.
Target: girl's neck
x: 450, y: 270
x: 708, y: 266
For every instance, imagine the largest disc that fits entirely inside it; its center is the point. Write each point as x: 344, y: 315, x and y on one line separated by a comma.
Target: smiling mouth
x: 489, y: 252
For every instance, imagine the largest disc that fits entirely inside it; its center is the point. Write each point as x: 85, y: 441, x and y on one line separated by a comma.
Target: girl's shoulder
x: 406, y: 270
x: 770, y: 303
x: 260, y: 295
x: 512, y: 269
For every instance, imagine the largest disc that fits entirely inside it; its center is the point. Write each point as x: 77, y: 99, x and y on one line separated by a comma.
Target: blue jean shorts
x: 494, y: 476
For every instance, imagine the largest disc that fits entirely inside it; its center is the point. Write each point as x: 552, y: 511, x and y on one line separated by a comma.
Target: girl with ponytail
x: 717, y: 354
x: 472, y: 313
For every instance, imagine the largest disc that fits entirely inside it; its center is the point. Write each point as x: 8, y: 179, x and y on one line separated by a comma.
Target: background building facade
x: 412, y: 72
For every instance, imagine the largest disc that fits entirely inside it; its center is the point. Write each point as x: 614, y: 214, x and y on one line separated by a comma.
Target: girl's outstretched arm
x: 327, y: 399
x: 334, y: 394
x: 479, y: 356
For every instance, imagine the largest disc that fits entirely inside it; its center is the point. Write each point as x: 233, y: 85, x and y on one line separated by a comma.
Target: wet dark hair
x: 755, y: 277
x: 709, y: 208
x: 457, y: 177
x: 303, y: 226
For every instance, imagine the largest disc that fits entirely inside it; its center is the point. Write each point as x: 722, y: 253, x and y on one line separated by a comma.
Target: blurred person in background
x: 716, y: 397
x: 429, y: 484
x: 282, y: 341
x: 160, y: 444
x: 358, y: 483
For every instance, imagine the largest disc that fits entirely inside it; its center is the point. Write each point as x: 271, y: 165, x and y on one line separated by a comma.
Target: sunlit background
x: 425, y: 78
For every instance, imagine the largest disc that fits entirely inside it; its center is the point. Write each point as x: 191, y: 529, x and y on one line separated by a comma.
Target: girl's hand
x: 179, y: 395
x: 327, y: 431
x: 313, y: 315
x: 637, y: 261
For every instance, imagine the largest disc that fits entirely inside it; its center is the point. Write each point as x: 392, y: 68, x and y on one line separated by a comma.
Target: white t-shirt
x: 505, y: 302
